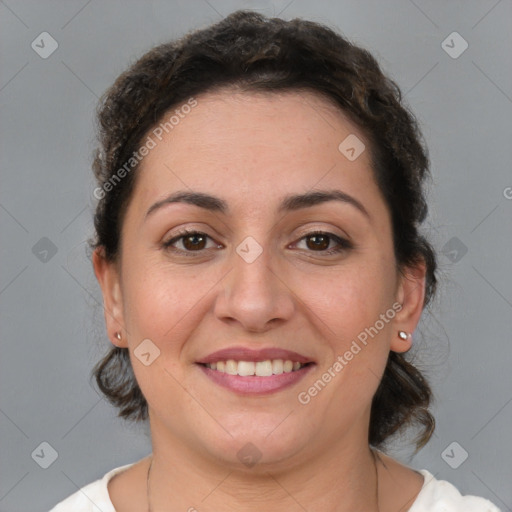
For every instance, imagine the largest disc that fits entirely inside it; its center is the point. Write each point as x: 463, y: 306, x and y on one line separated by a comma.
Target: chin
x: 259, y: 445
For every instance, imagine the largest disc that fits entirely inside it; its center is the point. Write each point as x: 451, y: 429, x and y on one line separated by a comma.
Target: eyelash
x: 343, y: 244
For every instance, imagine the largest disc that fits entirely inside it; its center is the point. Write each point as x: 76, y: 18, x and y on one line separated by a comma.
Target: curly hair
x: 247, y: 51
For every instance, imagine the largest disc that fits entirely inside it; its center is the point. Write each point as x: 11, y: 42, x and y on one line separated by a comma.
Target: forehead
x: 253, y: 148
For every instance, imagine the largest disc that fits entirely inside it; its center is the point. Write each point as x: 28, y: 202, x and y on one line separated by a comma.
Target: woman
x: 260, y: 192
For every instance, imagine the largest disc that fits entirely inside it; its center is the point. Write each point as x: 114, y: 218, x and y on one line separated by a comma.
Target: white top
x: 435, y: 496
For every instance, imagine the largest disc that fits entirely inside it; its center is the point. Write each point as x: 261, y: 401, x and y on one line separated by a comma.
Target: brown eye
x: 190, y: 241
x: 194, y: 241
x: 325, y: 243
x: 318, y: 242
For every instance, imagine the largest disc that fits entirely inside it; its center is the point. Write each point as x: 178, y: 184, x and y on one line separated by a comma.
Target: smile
x: 265, y: 368
x: 246, y: 371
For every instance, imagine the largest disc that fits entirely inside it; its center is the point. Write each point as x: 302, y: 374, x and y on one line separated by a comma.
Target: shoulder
x: 442, y: 496
x: 93, y: 497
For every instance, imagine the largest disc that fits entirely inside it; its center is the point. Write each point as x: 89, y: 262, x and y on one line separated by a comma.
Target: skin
x: 251, y: 150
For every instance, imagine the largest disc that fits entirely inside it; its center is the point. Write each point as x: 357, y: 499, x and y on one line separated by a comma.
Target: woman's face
x: 256, y: 284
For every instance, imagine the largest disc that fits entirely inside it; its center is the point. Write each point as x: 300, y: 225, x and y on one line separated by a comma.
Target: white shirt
x: 435, y: 496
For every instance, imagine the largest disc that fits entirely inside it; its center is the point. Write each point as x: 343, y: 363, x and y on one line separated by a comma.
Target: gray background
x: 52, y: 326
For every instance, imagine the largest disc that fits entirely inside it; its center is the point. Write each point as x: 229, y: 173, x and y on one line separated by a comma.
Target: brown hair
x: 251, y: 52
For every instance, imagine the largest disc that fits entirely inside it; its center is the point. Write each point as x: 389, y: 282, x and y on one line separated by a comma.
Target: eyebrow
x: 288, y: 204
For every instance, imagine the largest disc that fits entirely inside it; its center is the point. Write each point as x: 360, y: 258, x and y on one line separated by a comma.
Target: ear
x: 107, y: 275
x: 411, y: 296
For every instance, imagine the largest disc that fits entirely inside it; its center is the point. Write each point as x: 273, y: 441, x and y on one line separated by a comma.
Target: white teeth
x: 277, y: 366
x: 246, y: 368
x: 231, y: 367
x: 264, y: 368
x: 260, y: 368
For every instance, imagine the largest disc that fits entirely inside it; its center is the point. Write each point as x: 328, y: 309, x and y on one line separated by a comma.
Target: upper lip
x: 248, y: 354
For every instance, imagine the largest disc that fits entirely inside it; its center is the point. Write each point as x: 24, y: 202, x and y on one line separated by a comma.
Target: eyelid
x: 187, y: 229
x: 327, y: 230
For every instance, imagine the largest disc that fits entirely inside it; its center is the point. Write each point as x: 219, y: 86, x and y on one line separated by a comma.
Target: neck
x: 341, y: 481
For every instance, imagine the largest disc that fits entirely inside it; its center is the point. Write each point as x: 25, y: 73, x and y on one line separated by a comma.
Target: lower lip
x: 254, y: 385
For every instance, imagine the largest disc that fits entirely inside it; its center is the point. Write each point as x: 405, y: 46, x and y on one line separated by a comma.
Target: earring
x: 118, y: 335
x: 403, y: 335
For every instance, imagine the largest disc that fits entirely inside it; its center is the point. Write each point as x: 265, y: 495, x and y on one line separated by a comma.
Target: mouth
x: 265, y: 368
x: 248, y: 372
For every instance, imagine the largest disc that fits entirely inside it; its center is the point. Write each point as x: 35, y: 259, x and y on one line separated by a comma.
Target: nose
x: 255, y: 294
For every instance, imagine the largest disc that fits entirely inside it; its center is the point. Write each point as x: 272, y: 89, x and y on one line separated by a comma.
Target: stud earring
x: 118, y: 335
x: 403, y: 335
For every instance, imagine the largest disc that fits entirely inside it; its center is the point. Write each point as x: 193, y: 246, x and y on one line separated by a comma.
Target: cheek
x: 350, y: 299
x: 353, y: 312
x: 164, y: 303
